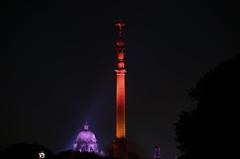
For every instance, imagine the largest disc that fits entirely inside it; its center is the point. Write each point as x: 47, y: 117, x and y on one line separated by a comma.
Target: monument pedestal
x: 120, y: 149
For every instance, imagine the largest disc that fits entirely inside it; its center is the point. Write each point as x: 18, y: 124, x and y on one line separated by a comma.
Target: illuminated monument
x: 120, y: 143
x: 86, y: 141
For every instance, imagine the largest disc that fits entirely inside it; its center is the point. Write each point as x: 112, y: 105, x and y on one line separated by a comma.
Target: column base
x: 120, y: 149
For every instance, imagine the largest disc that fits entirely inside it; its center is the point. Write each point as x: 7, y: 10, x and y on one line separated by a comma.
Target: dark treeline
x: 32, y: 151
x: 25, y: 151
x: 77, y: 155
x: 212, y: 129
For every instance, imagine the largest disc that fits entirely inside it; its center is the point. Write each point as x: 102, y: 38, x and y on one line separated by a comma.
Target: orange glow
x: 120, y: 64
x: 120, y: 56
x: 120, y: 144
x: 120, y: 89
x: 120, y: 120
x: 120, y: 43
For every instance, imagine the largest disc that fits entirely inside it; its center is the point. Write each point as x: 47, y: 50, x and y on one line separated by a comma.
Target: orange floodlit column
x: 120, y: 150
x: 120, y: 89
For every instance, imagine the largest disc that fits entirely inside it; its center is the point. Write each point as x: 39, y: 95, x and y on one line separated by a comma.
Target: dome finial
x: 86, y: 126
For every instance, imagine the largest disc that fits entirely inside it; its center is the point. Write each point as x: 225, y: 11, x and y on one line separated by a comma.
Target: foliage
x: 25, y: 151
x: 77, y: 155
x: 211, y: 131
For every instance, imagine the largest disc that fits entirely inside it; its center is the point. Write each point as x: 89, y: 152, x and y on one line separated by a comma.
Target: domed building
x: 86, y: 141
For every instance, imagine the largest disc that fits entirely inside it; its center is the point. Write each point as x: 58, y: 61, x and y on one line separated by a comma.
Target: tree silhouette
x: 212, y: 130
x: 25, y: 151
x: 69, y: 154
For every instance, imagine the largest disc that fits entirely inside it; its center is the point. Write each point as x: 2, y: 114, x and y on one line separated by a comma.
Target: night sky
x: 59, y: 58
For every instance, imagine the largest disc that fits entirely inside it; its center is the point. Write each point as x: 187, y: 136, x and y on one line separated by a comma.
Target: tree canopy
x: 211, y: 130
x: 26, y: 151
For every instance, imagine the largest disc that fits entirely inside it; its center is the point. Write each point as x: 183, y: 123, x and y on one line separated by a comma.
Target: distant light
x: 41, y: 155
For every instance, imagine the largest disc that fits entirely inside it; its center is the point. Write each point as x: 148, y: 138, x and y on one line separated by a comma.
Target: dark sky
x: 59, y: 58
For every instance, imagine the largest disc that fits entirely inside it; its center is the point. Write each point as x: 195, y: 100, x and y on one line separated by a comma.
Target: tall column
x: 120, y: 150
x: 120, y: 85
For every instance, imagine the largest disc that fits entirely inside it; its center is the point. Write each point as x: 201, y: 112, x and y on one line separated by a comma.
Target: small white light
x: 41, y: 155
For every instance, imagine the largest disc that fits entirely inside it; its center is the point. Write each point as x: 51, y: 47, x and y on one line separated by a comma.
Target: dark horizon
x: 59, y: 61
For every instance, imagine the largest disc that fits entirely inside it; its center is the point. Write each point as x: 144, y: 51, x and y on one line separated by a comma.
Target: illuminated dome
x: 86, y: 141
